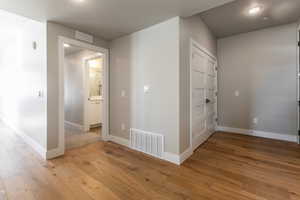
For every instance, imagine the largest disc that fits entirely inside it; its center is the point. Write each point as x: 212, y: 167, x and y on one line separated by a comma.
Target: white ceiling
x: 108, y: 18
x: 233, y: 18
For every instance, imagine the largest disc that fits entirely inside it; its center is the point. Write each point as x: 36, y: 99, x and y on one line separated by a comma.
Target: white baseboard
x: 54, y: 153
x: 178, y: 159
x: 74, y: 126
x: 199, y: 140
x: 119, y: 140
x: 171, y: 157
x: 263, y: 134
x: 28, y: 140
x: 185, y: 155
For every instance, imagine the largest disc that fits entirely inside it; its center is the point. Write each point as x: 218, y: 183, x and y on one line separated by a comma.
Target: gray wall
x: 53, y: 31
x: 23, y: 75
x: 194, y: 28
x: 261, y: 65
x: 147, y: 57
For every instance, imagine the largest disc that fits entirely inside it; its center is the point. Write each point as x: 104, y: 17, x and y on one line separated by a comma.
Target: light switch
x: 123, y: 127
x: 255, y: 120
x: 40, y: 93
x: 146, y: 88
x: 237, y: 93
x: 123, y: 93
x: 34, y: 45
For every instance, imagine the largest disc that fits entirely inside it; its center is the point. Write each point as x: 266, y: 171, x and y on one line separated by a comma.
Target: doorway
x: 203, y: 95
x: 83, y: 93
x: 93, y: 94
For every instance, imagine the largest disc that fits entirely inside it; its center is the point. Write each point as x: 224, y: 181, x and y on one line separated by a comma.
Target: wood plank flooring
x: 227, y: 167
x: 77, y: 138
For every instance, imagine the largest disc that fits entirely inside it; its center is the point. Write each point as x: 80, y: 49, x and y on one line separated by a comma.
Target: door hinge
x: 299, y: 44
x: 299, y: 132
x: 217, y: 119
x: 299, y: 103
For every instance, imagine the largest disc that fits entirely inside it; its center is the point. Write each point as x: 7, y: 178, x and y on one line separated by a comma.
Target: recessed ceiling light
x: 66, y: 45
x: 79, y: 1
x: 255, y: 10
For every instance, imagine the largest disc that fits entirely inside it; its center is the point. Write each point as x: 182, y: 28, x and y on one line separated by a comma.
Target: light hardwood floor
x: 75, y: 138
x: 227, y: 167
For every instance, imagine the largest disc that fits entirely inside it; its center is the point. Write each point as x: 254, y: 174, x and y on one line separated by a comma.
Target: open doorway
x: 84, y: 93
x: 93, y: 94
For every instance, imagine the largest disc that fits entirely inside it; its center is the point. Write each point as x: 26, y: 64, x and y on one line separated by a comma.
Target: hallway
x: 228, y: 166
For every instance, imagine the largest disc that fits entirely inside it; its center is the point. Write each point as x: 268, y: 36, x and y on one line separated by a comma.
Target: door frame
x: 193, y: 44
x: 86, y: 125
x: 105, y: 110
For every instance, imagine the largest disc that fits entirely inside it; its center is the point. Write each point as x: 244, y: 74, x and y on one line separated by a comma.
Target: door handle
x: 207, y: 101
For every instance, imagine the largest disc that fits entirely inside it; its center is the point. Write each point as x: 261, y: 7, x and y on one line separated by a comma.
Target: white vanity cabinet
x: 95, y: 112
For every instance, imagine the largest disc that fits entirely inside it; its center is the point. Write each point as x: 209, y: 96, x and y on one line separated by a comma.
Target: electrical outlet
x: 255, y: 120
x: 237, y: 93
x: 123, y: 127
x: 123, y: 93
x: 146, y: 88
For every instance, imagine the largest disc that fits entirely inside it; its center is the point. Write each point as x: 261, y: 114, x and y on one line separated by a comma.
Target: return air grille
x: 146, y: 142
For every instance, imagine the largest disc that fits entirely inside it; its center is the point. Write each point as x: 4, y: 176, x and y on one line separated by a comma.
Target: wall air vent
x: 146, y: 142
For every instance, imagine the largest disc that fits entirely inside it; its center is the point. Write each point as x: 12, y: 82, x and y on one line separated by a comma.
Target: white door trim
x: 193, y: 43
x: 203, y: 49
x: 105, y: 52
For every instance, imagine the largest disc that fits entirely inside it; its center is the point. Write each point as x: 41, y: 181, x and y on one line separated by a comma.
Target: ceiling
x: 233, y: 18
x: 108, y: 19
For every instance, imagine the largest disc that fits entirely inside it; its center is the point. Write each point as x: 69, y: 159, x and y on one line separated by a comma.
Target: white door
x: 203, y: 96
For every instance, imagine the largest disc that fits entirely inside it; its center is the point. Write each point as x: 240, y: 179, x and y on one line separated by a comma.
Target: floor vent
x: 146, y: 142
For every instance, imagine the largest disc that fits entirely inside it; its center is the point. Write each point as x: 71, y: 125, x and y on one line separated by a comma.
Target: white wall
x: 74, y: 86
x: 147, y: 57
x: 261, y: 65
x: 23, y: 75
x: 190, y: 28
x: 53, y: 32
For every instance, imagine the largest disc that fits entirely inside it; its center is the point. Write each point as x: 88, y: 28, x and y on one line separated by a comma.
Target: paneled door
x: 203, y: 108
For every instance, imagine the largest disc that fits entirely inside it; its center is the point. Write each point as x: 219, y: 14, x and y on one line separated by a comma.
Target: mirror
x: 95, y: 66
